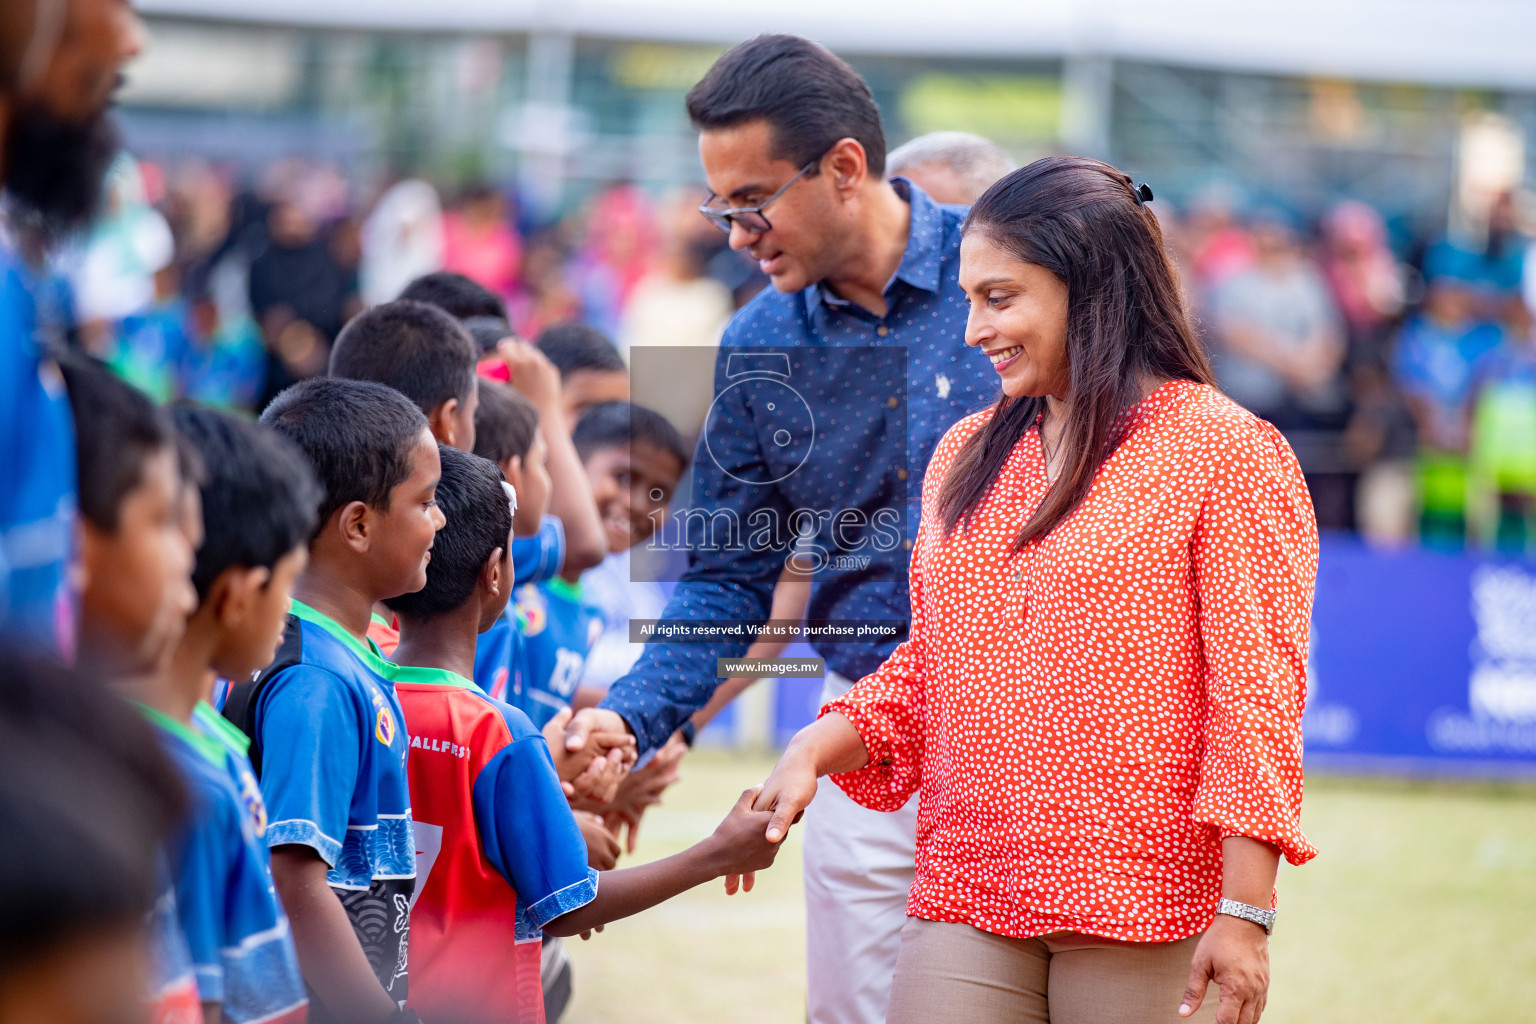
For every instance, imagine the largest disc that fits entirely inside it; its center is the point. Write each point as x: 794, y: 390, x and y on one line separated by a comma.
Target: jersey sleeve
x: 540, y: 557
x: 528, y: 832
x: 311, y: 746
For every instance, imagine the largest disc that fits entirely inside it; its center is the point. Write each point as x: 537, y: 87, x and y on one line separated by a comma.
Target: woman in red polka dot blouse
x: 1100, y: 700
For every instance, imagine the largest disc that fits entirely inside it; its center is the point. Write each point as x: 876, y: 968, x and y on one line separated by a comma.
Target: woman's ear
x: 491, y: 572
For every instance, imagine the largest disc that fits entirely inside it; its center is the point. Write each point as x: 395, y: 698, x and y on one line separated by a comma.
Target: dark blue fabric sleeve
x: 527, y: 829
x: 729, y: 582
x: 311, y: 739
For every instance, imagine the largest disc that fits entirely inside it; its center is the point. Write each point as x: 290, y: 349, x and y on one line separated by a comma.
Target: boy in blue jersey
x: 259, y: 500
x: 326, y: 734
x: 501, y: 857
x: 428, y: 357
x: 138, y: 532
x: 507, y: 433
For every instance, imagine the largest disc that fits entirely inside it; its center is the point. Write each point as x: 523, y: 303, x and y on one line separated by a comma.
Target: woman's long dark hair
x: 1082, y: 220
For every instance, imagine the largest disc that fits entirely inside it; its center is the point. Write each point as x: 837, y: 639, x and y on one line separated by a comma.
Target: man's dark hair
x: 573, y: 347
x: 474, y: 503
x: 87, y: 800
x: 456, y: 295
x: 357, y: 436
x: 505, y: 423
x: 413, y: 347
x: 808, y: 96
x: 117, y: 429
x: 614, y: 424
x: 259, y: 498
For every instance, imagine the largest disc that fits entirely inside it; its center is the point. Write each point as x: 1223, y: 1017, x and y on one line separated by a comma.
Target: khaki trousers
x: 858, y: 871
x: 953, y: 972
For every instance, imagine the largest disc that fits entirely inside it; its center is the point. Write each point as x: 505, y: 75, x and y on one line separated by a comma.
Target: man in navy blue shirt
x: 832, y: 390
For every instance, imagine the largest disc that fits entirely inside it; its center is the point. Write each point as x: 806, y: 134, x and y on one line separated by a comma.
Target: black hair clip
x: 1143, y: 194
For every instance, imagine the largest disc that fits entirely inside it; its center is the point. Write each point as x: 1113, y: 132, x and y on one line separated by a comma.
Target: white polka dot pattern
x: 1088, y: 718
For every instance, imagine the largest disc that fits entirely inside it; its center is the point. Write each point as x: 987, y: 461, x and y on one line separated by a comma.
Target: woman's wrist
x: 829, y: 745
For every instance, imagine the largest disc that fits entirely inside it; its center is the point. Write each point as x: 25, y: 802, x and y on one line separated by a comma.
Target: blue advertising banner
x: 1422, y: 662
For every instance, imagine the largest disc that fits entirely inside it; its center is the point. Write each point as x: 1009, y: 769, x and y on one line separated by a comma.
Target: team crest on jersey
x: 532, y: 610
x: 384, y: 727
x: 255, y: 807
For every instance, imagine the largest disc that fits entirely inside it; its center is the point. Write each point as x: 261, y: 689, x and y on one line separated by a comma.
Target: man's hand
x: 1235, y: 955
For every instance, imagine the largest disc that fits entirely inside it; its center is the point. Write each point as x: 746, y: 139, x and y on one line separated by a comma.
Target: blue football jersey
x: 498, y: 655
x: 328, y: 743
x: 559, y: 629
x: 237, y: 934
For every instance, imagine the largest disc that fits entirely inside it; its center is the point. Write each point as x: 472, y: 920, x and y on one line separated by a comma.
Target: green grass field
x: 1421, y: 909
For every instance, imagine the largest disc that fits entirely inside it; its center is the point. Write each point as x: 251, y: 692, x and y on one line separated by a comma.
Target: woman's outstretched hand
x: 829, y: 744
x: 788, y: 790
x: 1234, y: 954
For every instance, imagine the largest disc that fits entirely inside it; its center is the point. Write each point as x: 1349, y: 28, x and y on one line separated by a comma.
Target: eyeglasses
x: 749, y: 217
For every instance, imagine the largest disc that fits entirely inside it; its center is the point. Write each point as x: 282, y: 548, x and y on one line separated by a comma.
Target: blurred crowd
x: 1403, y: 371
x: 1403, y: 376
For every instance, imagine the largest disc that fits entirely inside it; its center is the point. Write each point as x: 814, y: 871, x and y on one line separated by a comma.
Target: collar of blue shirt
x: 920, y: 264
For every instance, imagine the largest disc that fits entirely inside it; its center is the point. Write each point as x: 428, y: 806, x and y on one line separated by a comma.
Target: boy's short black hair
x: 87, y: 800
x: 505, y: 423
x: 413, y: 347
x: 356, y: 435
x: 259, y: 497
x: 573, y: 347
x: 475, y: 504
x: 117, y: 428
x: 808, y: 96
x: 615, y: 424
x: 488, y: 331
x: 456, y: 295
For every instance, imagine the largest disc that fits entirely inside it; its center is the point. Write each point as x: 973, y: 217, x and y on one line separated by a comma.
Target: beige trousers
x: 953, y: 972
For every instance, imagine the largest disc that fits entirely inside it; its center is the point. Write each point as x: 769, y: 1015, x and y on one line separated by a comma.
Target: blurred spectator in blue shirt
x: 1442, y: 355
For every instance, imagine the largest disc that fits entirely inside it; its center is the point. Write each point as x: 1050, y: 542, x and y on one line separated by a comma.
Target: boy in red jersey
x: 499, y: 857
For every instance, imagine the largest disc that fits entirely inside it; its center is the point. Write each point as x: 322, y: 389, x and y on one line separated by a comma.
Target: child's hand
x: 642, y: 788
x: 533, y: 375
x: 602, y: 845
x: 741, y: 844
x: 599, y: 782
x: 593, y: 767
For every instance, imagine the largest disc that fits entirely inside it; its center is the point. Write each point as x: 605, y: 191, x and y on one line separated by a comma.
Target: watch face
x: 783, y: 421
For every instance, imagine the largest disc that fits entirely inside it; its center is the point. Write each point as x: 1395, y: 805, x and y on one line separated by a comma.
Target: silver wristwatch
x: 1263, y: 918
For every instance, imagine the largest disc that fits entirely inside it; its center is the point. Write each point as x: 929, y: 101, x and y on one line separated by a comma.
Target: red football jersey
x: 498, y: 852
